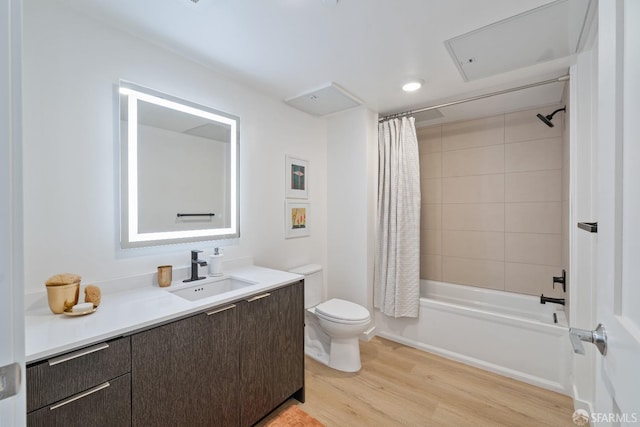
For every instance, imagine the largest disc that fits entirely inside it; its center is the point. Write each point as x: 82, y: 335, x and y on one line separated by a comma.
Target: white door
x: 12, y: 407
x: 618, y: 289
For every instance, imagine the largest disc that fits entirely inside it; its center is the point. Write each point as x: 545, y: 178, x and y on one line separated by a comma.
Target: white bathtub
x: 510, y: 334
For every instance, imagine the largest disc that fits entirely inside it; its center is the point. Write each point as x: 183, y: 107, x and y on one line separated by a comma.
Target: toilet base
x: 326, y: 342
x: 345, y: 354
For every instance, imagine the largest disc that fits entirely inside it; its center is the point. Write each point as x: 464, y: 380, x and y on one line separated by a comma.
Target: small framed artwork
x: 297, y: 179
x: 296, y: 219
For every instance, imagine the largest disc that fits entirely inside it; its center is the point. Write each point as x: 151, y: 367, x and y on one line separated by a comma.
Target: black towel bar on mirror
x: 180, y: 215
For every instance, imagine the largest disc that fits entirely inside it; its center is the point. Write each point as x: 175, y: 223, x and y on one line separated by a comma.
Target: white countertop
x: 125, y: 311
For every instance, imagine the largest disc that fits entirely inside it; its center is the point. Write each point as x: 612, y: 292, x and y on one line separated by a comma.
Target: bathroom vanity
x: 228, y: 359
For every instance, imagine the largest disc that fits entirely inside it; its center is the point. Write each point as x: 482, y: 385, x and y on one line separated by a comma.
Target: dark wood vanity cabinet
x: 185, y: 373
x: 271, y: 351
x: 230, y: 365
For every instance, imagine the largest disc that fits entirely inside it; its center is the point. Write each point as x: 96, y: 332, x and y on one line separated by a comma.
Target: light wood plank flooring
x: 402, y: 386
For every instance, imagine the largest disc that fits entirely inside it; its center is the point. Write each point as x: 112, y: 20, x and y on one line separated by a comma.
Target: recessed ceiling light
x: 412, y: 86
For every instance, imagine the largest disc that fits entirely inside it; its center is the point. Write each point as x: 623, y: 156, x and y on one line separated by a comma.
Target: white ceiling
x: 369, y: 47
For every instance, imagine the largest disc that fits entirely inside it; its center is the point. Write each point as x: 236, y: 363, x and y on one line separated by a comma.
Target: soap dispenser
x: 215, y: 262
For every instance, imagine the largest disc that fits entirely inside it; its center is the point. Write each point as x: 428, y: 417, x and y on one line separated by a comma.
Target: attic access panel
x: 542, y: 34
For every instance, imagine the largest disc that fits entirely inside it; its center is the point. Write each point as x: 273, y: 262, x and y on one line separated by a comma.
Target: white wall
x: 72, y: 64
x: 352, y: 148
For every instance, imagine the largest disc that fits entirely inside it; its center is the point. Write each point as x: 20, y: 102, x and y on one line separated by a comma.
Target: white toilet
x: 331, y: 327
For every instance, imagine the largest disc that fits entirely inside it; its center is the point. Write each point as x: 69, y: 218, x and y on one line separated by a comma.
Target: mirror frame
x: 130, y: 236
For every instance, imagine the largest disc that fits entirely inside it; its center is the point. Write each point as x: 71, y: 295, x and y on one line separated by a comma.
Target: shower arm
x: 550, y: 116
x: 475, y: 98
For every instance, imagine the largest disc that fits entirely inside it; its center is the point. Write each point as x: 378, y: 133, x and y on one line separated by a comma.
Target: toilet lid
x: 342, y: 310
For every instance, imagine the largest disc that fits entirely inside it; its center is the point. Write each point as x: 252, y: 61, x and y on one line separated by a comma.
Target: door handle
x: 79, y: 353
x: 10, y: 378
x: 80, y: 396
x: 220, y: 310
x: 257, y: 297
x: 598, y: 337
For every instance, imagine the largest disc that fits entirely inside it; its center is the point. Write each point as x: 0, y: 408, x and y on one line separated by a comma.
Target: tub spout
x: 544, y: 300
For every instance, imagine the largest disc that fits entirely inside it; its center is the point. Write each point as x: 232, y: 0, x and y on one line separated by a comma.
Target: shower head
x: 547, y: 119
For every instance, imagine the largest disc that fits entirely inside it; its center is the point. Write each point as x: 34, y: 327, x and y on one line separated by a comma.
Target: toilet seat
x: 341, y: 311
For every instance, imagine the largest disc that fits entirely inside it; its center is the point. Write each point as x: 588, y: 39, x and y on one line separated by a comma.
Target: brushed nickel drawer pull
x: 80, y: 395
x: 76, y: 354
x: 257, y: 297
x: 219, y: 310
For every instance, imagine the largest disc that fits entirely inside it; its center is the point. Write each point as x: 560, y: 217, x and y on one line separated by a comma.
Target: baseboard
x: 368, y: 334
x: 580, y: 403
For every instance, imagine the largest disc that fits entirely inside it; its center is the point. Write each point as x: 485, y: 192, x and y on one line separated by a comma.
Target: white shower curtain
x: 397, y: 264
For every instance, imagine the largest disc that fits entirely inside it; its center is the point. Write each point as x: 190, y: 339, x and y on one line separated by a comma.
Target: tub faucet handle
x: 561, y: 280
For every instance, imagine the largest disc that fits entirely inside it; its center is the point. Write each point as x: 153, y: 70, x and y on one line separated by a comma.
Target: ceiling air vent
x: 326, y: 100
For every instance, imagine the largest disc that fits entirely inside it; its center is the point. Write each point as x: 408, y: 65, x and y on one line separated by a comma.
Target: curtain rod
x: 474, y: 98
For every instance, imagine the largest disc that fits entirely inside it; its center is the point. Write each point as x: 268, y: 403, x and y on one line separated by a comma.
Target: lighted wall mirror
x: 179, y: 170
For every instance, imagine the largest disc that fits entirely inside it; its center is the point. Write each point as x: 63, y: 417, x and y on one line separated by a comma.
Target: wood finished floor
x: 402, y: 386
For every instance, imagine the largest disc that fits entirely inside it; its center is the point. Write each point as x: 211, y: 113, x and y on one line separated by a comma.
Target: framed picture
x: 296, y: 219
x: 297, y: 180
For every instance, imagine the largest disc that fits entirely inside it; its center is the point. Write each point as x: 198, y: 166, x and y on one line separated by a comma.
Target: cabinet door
x: 105, y: 405
x: 272, y: 351
x: 186, y: 373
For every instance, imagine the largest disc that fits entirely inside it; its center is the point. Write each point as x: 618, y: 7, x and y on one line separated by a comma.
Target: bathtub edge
x: 478, y: 363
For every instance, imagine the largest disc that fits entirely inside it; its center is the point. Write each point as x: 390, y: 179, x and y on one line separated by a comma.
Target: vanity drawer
x: 106, y: 405
x: 59, y: 377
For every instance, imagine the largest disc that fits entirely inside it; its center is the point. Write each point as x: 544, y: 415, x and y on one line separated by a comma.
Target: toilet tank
x: 312, y: 283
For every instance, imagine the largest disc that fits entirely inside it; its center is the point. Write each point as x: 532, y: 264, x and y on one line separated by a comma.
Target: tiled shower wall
x: 492, y: 202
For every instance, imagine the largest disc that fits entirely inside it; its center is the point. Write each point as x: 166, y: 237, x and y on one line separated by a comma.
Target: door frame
x: 12, y: 342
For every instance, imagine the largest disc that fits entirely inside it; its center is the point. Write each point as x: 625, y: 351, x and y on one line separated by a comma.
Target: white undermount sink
x: 207, y: 289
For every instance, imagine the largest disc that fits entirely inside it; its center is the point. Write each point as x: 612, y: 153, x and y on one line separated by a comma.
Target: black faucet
x: 544, y: 300
x: 195, y: 262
